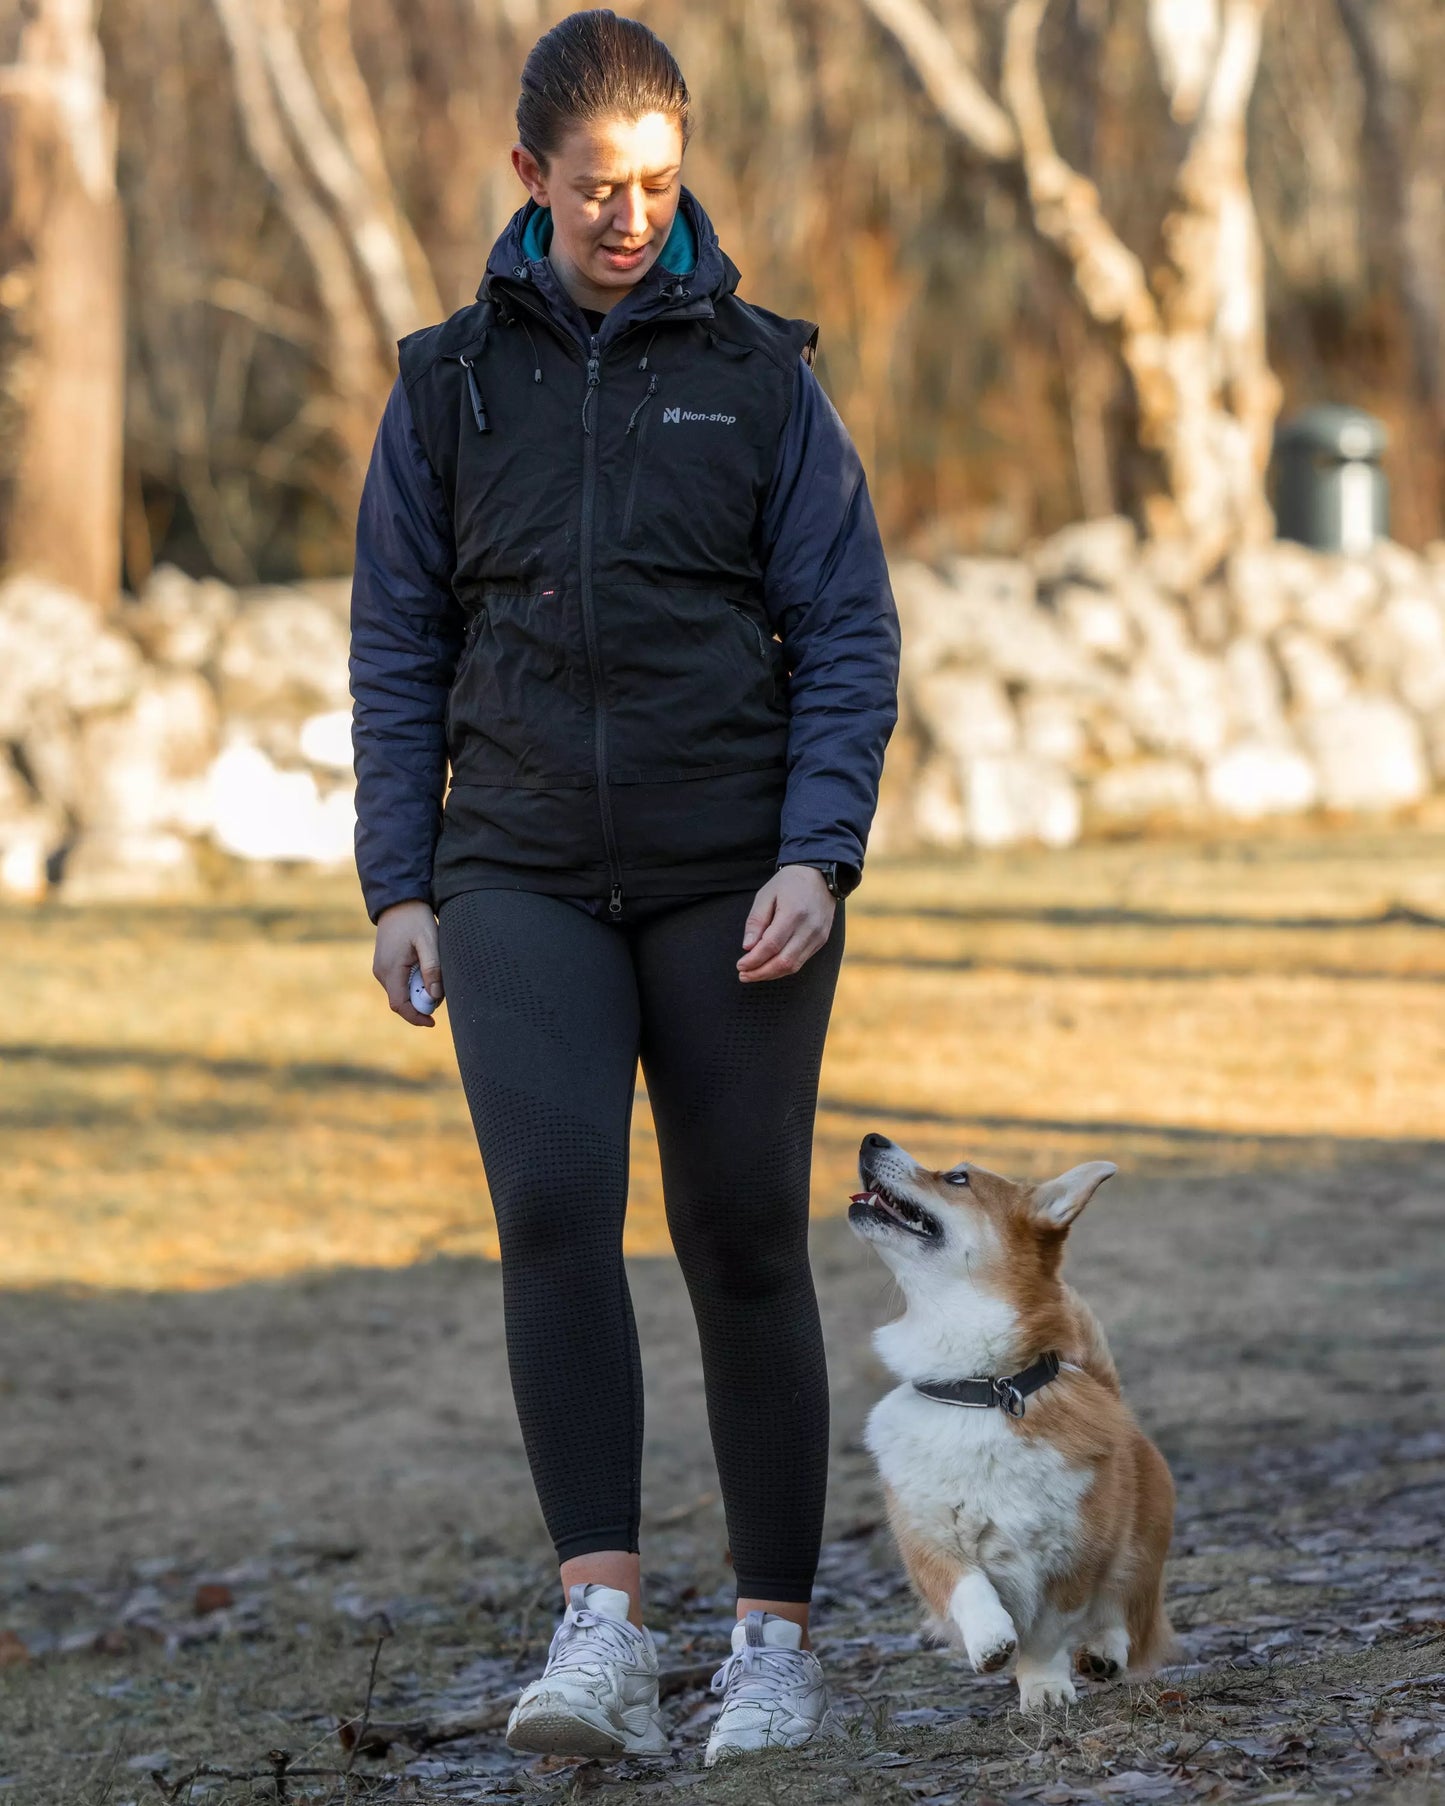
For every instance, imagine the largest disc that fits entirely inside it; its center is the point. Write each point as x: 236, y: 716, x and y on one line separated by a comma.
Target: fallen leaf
x: 12, y: 1650
x: 212, y: 1596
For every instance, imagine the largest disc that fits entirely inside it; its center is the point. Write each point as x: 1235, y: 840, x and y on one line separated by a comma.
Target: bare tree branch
x: 948, y: 81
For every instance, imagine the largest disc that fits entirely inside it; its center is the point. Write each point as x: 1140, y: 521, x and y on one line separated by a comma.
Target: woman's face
x: 613, y: 187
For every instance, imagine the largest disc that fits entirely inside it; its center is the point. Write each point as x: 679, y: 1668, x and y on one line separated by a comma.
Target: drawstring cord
x: 479, y: 412
x: 648, y: 352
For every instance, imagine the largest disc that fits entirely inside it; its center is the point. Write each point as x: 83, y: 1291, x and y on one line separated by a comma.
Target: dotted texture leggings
x: 550, y: 1010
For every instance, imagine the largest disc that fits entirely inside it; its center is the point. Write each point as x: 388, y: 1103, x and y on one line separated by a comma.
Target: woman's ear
x: 531, y: 174
x: 1058, y: 1201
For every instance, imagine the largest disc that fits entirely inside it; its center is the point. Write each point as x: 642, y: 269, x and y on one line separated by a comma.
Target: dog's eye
x: 958, y: 1178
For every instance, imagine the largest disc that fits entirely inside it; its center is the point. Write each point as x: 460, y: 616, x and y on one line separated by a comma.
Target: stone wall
x: 195, y: 724
x: 1079, y: 690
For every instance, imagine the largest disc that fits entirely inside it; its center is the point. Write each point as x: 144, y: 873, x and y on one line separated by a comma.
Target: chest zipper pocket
x: 634, y: 425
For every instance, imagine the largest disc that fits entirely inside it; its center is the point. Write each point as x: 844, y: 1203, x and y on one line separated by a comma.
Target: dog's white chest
x: 971, y: 1483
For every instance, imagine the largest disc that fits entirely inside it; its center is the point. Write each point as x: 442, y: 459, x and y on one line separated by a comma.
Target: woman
x: 596, y: 496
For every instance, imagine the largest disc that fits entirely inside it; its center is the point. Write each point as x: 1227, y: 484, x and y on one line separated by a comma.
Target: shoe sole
x: 550, y: 1731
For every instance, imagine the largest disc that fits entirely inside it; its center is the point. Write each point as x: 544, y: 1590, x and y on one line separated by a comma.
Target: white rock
x: 1341, y: 600
x: 326, y: 740
x: 1015, y: 798
x: 29, y: 834
x: 1261, y: 777
x: 124, y: 865
x: 1408, y: 640
x: 1028, y: 647
x: 1052, y: 730
x: 1098, y: 552
x: 284, y: 653
x: 1211, y: 617
x: 1159, y: 621
x: 16, y: 797
x: 1268, y: 583
x: 1149, y: 789
x: 1397, y: 566
x: 261, y: 812
x: 937, y: 809
x: 178, y: 621
x: 1432, y: 727
x: 1368, y: 753
x: 1178, y: 704
x: 1315, y: 677
x: 967, y: 713
x: 133, y: 760
x: 1255, y: 690
x: 24, y: 872
x: 993, y: 582
x: 56, y: 649
x: 1097, y: 623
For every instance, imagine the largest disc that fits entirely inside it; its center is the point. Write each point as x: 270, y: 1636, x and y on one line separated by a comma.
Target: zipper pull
x: 636, y: 412
x: 614, y: 907
x: 479, y: 413
x: 594, y: 376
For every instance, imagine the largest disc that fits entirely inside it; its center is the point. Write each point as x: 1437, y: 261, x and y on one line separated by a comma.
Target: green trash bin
x: 1330, y: 491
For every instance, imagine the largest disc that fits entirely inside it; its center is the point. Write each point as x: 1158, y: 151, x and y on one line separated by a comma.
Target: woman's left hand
x: 791, y: 918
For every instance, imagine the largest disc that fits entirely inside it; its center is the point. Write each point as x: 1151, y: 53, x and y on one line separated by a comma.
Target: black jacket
x: 574, y: 554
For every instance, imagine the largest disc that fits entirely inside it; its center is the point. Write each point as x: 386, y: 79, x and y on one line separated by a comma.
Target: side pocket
x: 469, y: 640
x: 757, y: 631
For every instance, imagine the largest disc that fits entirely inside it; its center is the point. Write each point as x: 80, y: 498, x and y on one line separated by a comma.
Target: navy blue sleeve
x: 827, y: 593
x: 406, y: 637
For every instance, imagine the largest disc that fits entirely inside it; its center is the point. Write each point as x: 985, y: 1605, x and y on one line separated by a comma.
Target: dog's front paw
x: 992, y: 1644
x: 1104, y: 1656
x: 989, y: 1661
x: 1041, y: 1688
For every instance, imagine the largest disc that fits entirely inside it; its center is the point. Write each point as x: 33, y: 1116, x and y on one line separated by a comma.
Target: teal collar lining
x: 678, y: 255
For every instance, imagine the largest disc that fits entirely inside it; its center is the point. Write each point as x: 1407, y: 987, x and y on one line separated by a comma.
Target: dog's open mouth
x: 880, y: 1203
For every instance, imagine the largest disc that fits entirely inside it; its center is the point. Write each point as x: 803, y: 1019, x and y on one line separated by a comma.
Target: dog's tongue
x: 862, y: 1197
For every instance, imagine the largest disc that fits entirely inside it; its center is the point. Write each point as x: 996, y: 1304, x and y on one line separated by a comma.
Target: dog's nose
x: 876, y: 1141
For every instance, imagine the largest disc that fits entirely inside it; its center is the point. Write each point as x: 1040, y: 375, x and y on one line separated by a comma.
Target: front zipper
x: 637, y: 414
x: 589, y: 622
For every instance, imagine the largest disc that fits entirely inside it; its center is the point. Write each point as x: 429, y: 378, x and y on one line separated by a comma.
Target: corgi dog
x: 1032, y: 1513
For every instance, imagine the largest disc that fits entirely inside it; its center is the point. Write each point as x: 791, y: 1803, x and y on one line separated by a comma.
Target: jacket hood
x: 692, y: 265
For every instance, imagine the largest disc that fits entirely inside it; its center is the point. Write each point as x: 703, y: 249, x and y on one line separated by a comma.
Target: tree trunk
x: 62, y: 348
x: 1191, y: 333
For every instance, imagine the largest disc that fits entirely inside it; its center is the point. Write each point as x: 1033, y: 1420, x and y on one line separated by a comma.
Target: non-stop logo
x: 684, y: 416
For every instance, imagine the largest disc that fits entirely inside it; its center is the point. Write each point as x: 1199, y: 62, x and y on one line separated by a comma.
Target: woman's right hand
x: 406, y: 936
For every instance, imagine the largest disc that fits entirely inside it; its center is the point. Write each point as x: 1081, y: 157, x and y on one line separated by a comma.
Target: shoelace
x: 608, y: 1637
x: 758, y: 1673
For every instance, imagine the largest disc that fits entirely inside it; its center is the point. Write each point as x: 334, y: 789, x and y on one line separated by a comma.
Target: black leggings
x: 550, y: 1010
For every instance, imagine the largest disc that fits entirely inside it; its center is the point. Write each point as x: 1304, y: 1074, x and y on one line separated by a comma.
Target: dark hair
x: 595, y: 65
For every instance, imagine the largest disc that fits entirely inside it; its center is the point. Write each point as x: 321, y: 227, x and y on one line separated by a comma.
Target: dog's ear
x: 1058, y: 1201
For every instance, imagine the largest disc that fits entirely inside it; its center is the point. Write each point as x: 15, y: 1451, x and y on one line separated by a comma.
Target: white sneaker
x: 774, y: 1695
x: 597, y: 1696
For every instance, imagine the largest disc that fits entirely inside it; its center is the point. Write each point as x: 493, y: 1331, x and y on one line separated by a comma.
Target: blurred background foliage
x: 988, y: 407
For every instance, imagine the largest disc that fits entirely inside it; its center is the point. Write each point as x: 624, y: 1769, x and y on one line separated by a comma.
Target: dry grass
x: 203, y: 1094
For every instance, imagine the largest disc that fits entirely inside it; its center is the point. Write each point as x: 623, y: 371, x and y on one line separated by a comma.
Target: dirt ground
x: 222, y: 1497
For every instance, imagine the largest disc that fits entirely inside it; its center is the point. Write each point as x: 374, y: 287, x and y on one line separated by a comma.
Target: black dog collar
x: 981, y: 1395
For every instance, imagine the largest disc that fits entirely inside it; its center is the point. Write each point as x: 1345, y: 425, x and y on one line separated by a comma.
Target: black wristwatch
x: 839, y: 877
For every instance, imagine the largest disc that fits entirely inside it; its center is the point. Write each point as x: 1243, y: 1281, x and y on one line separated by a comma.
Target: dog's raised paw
x: 1094, y: 1666
x: 989, y: 1661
